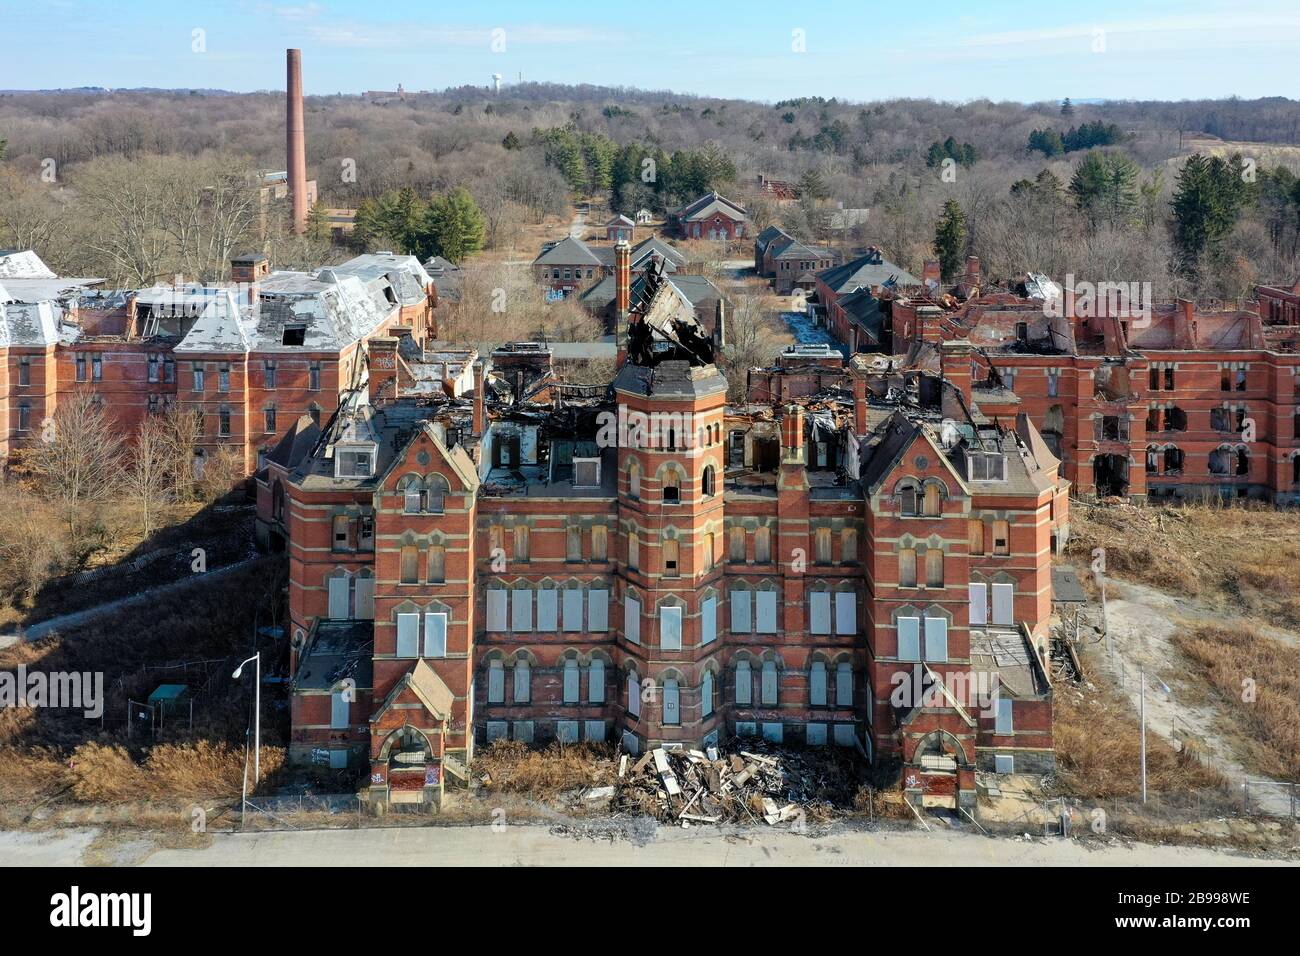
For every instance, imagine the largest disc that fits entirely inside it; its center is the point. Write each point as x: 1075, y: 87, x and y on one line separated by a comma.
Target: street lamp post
x: 257, y: 714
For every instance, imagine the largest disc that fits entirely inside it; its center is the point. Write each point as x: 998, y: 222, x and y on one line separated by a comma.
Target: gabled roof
x: 711, y: 203
x: 569, y: 251
x: 865, y: 271
x: 457, y: 459
x: 791, y: 248
x: 620, y: 220
x: 766, y: 237
x: 427, y: 687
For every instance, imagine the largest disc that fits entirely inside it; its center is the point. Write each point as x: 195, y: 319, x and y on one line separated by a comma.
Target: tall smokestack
x: 295, y: 141
x: 622, y: 279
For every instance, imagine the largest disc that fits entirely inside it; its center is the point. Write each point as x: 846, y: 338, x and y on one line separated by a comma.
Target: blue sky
x: 869, y: 49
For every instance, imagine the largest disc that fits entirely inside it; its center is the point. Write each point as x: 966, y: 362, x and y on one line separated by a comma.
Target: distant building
x: 620, y: 228
x: 712, y: 216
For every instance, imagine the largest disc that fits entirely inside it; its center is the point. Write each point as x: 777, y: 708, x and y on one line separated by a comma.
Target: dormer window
x: 985, y: 466
x: 354, y: 463
x: 586, y: 472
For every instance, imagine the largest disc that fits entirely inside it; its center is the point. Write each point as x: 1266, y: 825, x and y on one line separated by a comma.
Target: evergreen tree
x: 1105, y: 188
x: 950, y: 239
x: 453, y: 227
x: 1067, y: 108
x: 511, y: 141
x: 1208, y: 199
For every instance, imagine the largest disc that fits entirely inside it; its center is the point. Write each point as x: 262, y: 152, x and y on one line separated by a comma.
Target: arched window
x: 672, y: 487
x: 634, y: 480
x: 410, y: 564
x: 412, y: 495
x: 706, y: 694
x: 633, y: 694
x: 907, y: 494
x: 277, y: 500
x: 437, y: 494
x: 706, y: 485
x: 934, y: 494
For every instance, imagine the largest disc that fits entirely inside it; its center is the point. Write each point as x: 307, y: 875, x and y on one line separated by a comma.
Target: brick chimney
x: 383, y: 368
x: 973, y: 267
x: 480, y: 407
x: 622, y: 280
x: 792, y: 434
x: 247, y: 271
x: 932, y: 271
x: 295, y: 141
x: 955, y: 362
x: 859, y: 404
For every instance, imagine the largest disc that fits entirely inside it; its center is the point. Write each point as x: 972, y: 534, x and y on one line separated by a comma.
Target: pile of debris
x: 757, y: 783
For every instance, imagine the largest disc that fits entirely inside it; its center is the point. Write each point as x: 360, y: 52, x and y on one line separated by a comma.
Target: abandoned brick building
x: 247, y: 359
x: 1136, y: 399
x: 857, y: 556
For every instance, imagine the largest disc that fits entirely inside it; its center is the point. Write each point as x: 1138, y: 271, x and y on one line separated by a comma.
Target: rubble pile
x: 755, y: 784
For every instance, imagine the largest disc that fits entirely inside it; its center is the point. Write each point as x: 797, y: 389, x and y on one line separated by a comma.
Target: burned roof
x: 670, y: 378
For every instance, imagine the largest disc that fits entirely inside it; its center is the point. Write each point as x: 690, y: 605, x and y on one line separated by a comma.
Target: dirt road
x: 649, y: 846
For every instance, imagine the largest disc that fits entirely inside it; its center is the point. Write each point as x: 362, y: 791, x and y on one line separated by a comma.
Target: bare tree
x: 147, y: 479
x: 180, y: 433
x: 78, y: 459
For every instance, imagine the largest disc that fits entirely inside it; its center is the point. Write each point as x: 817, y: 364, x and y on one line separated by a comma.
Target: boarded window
x: 338, y: 607
x: 817, y: 684
x: 633, y: 552
x: 496, y: 682
x: 671, y: 557
x: 740, y: 612
x: 523, y: 682
x: 909, y: 638
x: 435, y: 634
x: 979, y: 603
x: 599, y: 543
x: 573, y: 609
x: 736, y: 551
x: 670, y: 628
x: 1001, y: 537
x: 1004, y: 763
x: 846, y: 613
x: 598, y: 609
x: 820, y: 612
x: 547, y: 609
x: 1004, y: 604
x: 763, y: 546
x: 633, y: 694
x: 573, y: 543
x: 822, y: 546
x: 408, y: 635
x: 766, y: 612
x: 744, y: 683
x: 496, y: 609
x: 768, y: 689
x: 907, y: 568
x: 709, y: 545
x: 936, y: 639
x: 932, y: 500
x: 566, y: 731
x: 632, y: 619
x: 1005, y: 724
x: 521, y: 609
x: 708, y: 620
x: 571, y: 681
x: 672, y: 702
x: 437, y: 564
x: 849, y: 546
x: 410, y: 565
x: 365, y: 598
x: 934, y: 568
x: 843, y: 684
x: 596, y: 682
x: 339, y: 707
x: 976, y: 528
x: 521, y: 543
x: 706, y: 694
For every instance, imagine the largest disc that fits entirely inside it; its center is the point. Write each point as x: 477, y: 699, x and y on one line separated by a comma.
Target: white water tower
x: 496, y: 82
